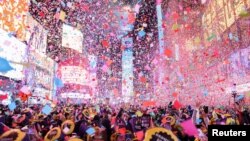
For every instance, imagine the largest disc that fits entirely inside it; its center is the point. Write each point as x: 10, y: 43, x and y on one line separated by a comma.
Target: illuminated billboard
x: 14, y: 51
x: 13, y: 16
x: 42, y: 72
x: 72, y: 38
x: 221, y: 14
x: 36, y: 36
x: 127, y: 68
x: 41, y: 60
x: 74, y: 75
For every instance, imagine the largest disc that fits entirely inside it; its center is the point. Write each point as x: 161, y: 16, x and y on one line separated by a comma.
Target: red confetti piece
x: 175, y: 94
x: 105, y: 43
x: 168, y: 52
x: 143, y: 79
x: 3, y: 97
x: 177, y: 104
x: 42, y: 14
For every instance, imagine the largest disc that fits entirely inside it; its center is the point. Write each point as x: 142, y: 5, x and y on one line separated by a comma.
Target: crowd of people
x: 102, y: 122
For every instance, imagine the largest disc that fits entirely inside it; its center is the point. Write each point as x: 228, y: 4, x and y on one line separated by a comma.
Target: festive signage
x: 72, y: 38
x: 14, y: 51
x: 160, y: 134
x: 74, y: 75
x: 36, y: 36
x: 13, y: 16
x: 145, y: 121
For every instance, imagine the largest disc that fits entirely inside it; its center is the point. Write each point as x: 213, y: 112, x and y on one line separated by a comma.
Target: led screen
x: 14, y: 51
x: 72, y: 38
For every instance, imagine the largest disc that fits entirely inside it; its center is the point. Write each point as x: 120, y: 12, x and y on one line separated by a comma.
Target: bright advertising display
x: 221, y: 14
x: 43, y: 69
x: 74, y: 75
x: 14, y: 51
x: 41, y: 60
x: 72, y: 38
x: 36, y: 36
x: 13, y: 16
x: 127, y: 68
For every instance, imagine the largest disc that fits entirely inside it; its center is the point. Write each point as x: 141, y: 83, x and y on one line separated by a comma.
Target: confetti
x: 12, y: 106
x: 46, y: 109
x: 4, y: 65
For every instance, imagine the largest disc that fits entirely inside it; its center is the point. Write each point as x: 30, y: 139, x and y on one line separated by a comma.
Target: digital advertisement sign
x: 72, y: 38
x: 41, y: 60
x: 127, y: 68
x: 14, y: 51
x: 74, y: 75
x: 36, y: 36
x: 221, y: 14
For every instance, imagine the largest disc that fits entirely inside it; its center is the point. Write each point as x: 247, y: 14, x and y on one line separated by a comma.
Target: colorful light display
x: 36, y: 36
x: 74, y: 75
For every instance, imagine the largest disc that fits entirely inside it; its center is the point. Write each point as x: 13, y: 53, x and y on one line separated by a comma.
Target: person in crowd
x: 105, y: 123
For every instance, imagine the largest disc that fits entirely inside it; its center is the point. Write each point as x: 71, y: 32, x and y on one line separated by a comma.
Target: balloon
x: 4, y: 65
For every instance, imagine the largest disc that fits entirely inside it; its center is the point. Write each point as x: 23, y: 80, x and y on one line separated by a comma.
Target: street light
x: 234, y: 91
